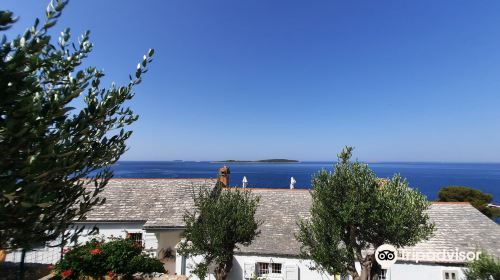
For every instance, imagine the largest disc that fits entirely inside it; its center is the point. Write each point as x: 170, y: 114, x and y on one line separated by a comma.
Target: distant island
x: 273, y: 160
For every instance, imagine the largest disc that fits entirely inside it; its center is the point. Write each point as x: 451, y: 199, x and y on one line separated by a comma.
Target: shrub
x: 97, y: 258
x: 145, y: 264
x: 485, y: 268
x: 475, y: 197
x: 119, y: 253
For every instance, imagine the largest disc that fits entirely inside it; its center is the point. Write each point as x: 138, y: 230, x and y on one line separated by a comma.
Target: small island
x: 274, y: 160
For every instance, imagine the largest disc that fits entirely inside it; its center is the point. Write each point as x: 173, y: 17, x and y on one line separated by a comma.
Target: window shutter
x: 249, y: 270
x: 291, y: 272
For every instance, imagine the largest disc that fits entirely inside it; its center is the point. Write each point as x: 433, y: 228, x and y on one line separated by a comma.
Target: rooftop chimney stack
x: 224, y: 176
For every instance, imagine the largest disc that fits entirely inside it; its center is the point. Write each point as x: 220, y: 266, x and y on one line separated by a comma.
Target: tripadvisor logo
x: 386, y: 255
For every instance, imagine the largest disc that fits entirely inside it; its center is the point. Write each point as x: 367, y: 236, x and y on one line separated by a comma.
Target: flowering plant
x: 97, y: 258
x: 96, y: 251
x: 67, y: 273
x: 111, y: 274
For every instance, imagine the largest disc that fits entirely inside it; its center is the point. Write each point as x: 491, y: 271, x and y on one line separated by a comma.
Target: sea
x: 428, y: 178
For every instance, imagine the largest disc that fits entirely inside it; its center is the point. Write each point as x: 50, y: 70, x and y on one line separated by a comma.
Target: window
x: 262, y: 269
x: 450, y: 275
x: 265, y: 269
x: 135, y: 236
x: 276, y: 268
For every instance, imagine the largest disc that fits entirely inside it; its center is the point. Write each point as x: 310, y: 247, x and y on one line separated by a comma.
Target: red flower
x: 67, y: 273
x: 96, y: 251
x: 50, y: 266
x: 66, y: 250
x: 111, y: 274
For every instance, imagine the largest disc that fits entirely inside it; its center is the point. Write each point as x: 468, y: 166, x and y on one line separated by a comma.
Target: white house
x: 151, y: 210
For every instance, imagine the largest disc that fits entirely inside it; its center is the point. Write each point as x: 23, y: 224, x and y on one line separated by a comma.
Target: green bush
x: 97, y: 258
x: 486, y: 267
x: 475, y: 197
x: 119, y: 254
x: 145, y: 264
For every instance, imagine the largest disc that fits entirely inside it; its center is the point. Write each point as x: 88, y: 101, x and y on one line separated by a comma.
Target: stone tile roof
x: 157, y: 202
x: 161, y: 203
x: 459, y: 226
x: 279, y: 210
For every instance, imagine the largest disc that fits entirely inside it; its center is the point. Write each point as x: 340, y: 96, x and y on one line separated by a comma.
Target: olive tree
x: 222, y: 220
x: 353, y: 212
x: 54, y: 158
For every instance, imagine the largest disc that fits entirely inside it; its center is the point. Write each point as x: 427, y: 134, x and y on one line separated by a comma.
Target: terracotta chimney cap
x: 224, y: 175
x: 224, y: 170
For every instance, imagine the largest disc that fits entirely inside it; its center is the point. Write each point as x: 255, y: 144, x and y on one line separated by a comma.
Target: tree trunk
x: 21, y: 265
x: 366, y: 268
x: 63, y: 243
x: 223, y: 269
x: 375, y: 271
x: 370, y: 269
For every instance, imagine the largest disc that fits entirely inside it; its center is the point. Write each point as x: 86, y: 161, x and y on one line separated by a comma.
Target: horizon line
x: 318, y: 161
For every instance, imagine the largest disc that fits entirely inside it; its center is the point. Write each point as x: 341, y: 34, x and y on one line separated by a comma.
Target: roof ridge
x: 170, y: 179
x: 450, y: 202
x: 274, y: 189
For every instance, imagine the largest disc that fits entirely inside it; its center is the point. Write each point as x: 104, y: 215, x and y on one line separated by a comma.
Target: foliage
x: 477, y: 198
x: 145, y: 264
x: 223, y: 219
x: 353, y: 211
x: 97, y: 258
x: 486, y: 267
x: 48, y: 147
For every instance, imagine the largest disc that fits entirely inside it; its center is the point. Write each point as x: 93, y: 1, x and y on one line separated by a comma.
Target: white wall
x: 154, y: 241
x: 111, y: 230
x: 414, y: 271
x: 399, y: 271
x: 296, y: 269
x: 169, y: 239
x: 52, y: 254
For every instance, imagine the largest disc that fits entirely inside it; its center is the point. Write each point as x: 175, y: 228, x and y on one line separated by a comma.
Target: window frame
x: 450, y: 272
x: 131, y: 235
x: 384, y: 275
x: 270, y: 268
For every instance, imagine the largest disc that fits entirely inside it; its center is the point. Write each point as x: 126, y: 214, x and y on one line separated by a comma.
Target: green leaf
x: 46, y: 150
x: 44, y: 205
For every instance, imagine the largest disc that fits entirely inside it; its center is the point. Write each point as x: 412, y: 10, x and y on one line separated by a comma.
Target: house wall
x: 292, y: 268
x: 414, y: 271
x: 399, y: 271
x: 244, y: 265
x: 111, y: 230
x: 52, y: 254
x: 168, y: 240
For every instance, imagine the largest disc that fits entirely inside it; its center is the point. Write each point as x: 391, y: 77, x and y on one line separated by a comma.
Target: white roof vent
x: 292, y: 183
x: 245, y: 182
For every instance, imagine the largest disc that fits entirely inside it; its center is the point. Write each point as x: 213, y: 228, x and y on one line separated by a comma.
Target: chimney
x: 224, y: 176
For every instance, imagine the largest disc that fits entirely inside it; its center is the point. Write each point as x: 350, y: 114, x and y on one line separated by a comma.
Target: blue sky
x: 399, y: 80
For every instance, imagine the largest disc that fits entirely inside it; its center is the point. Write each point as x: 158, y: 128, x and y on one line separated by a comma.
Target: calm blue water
x: 427, y: 177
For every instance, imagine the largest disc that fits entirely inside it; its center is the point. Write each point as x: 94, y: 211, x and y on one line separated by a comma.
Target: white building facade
x: 151, y: 211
